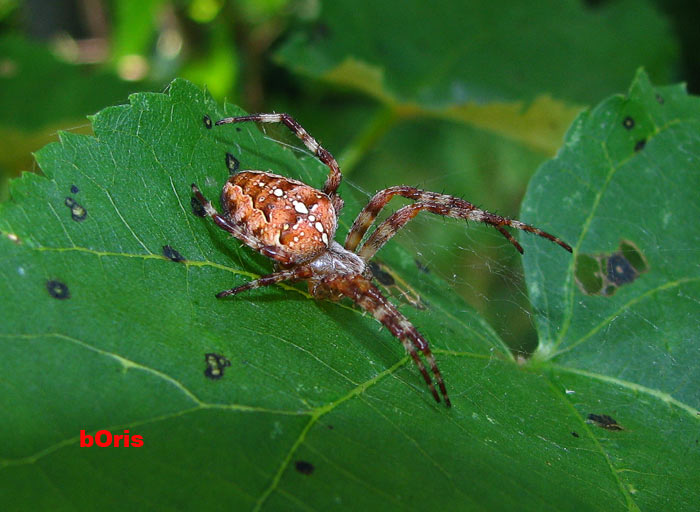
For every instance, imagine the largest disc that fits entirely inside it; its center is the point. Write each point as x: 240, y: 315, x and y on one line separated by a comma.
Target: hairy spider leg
x: 440, y: 204
x: 369, y: 298
x: 294, y: 274
x: 271, y: 251
x: 387, y: 229
x: 334, y: 177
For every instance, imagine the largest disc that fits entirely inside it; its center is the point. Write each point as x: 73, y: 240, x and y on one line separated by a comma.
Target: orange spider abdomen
x: 280, y: 212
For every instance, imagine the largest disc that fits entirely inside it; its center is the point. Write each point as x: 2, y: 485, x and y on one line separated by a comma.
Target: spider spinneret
x: 294, y: 224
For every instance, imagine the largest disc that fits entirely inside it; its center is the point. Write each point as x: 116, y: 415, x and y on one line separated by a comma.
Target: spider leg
x: 333, y: 180
x: 440, y: 204
x: 294, y: 274
x: 274, y: 252
x: 366, y: 217
x: 369, y: 298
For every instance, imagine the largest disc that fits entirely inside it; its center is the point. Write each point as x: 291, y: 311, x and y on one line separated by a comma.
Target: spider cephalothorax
x: 294, y: 224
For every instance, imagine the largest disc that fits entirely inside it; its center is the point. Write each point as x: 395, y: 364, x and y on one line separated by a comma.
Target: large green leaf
x: 513, y: 67
x: 320, y: 407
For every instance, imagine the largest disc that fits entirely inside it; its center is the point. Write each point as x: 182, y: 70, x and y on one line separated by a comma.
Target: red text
x: 103, y: 438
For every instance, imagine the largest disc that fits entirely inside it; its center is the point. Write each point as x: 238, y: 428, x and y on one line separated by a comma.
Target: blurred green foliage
x: 471, y: 103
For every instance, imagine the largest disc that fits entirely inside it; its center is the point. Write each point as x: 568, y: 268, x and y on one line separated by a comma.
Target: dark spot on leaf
x: 197, y: 207
x: 640, y: 145
x: 207, y: 122
x: 421, y: 266
x: 215, y: 365
x: 380, y: 275
x: 575, y: 434
x: 330, y: 427
x: 74, y: 189
x: 603, y: 274
x: 660, y: 99
x: 77, y: 212
x: 58, y: 290
x: 628, y: 123
x: 238, y: 128
x: 604, y: 421
x: 172, y: 254
x: 304, y: 467
x: 232, y: 163
x: 619, y: 270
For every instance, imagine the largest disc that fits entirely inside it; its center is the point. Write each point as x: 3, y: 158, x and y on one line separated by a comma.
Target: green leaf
x: 505, y: 66
x: 320, y: 407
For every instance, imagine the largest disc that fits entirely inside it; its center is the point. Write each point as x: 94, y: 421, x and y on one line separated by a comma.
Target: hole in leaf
x: 58, y: 290
x: 207, y: 122
x: 588, y: 275
x: 628, y: 123
x: 619, y: 270
x: 197, y: 207
x: 77, y: 212
x: 633, y: 256
x: 172, y: 254
x: 232, y: 163
x: 215, y: 365
x: 603, y: 274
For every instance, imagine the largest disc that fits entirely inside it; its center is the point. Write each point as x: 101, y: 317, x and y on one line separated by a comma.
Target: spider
x: 294, y: 224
